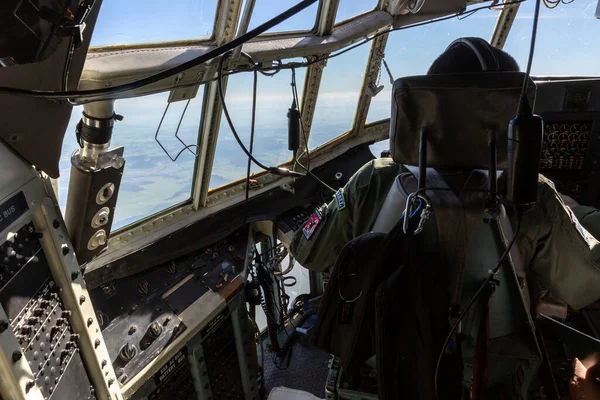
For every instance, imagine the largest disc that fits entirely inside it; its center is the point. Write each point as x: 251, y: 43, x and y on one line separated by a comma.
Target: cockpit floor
x: 307, y: 370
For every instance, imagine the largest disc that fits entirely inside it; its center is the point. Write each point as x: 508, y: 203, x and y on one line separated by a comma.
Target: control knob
x: 143, y: 288
x: 128, y: 351
x: 154, y: 330
x: 172, y: 268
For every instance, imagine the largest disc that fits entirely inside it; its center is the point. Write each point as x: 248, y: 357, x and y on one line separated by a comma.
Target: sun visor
x: 457, y: 112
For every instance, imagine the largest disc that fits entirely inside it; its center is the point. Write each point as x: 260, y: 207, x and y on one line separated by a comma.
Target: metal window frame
x: 204, y: 201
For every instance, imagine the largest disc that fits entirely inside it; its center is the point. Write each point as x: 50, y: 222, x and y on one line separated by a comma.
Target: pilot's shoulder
x: 379, y: 168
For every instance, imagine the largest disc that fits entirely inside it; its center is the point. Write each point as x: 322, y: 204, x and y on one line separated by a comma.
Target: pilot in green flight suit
x: 554, y: 245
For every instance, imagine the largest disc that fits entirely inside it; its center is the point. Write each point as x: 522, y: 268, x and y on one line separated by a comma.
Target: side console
x: 50, y: 341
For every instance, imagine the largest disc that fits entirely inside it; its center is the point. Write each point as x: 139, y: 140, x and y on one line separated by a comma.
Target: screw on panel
x: 103, y: 363
x: 65, y: 249
x: 81, y: 299
x: 16, y: 356
x: 96, y: 343
x: 74, y: 275
x: 56, y: 223
x: 90, y: 321
x: 3, y: 325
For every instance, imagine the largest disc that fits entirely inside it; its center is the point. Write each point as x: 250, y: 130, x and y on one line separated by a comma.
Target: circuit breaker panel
x: 51, y: 346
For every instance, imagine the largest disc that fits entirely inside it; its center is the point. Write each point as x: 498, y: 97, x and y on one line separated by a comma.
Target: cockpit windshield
x: 339, y: 96
x: 566, y: 42
x: 140, y: 21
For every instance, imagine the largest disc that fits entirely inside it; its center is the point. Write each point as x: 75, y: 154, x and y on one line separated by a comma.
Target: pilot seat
x: 450, y: 133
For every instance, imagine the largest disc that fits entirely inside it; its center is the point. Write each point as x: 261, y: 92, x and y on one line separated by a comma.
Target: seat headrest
x: 457, y: 112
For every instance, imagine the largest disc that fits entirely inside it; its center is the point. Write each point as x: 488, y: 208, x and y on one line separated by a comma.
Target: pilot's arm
x: 351, y: 212
x: 561, y: 248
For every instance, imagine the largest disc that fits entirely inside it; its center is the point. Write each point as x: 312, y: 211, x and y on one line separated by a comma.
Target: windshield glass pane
x: 151, y: 181
x: 264, y: 10
x: 566, y: 41
x: 338, y: 96
x: 274, y: 98
x: 143, y: 21
x: 411, y: 51
x: 351, y: 8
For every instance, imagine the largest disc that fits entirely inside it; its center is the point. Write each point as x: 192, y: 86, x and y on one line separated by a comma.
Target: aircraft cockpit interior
x: 299, y: 199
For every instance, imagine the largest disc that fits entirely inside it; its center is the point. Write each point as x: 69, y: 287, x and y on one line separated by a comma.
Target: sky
x: 152, y: 182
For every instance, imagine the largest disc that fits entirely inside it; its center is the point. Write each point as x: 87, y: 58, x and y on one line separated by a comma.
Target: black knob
x: 172, y: 268
x: 128, y: 351
x: 143, y: 288
x: 33, y: 320
x: 154, y: 330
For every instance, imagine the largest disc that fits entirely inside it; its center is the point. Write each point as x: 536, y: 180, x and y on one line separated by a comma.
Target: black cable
x: 211, y: 54
x: 95, y: 93
x: 401, y: 28
x: 523, y: 102
x: 474, y: 298
x: 293, y: 65
x: 273, y: 170
x: 252, y: 129
x: 303, y: 132
x: 67, y: 66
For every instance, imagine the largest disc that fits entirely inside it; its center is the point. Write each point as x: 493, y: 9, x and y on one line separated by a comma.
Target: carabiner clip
x: 423, y: 204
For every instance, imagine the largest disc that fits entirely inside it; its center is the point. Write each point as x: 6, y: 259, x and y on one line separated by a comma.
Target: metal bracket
x: 184, y: 92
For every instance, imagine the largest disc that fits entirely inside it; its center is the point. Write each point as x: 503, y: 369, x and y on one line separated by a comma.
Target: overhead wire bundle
x: 82, y: 96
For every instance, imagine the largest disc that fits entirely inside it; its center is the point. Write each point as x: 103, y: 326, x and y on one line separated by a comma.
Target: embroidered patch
x: 311, y: 225
x: 340, y: 200
x: 583, y: 232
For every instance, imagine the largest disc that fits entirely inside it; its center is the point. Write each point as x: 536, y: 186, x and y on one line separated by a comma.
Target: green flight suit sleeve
x: 563, y: 255
x: 363, y: 197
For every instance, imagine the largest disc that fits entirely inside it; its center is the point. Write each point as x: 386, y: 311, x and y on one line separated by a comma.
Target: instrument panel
x: 570, y: 154
x: 565, y: 145
x: 143, y: 316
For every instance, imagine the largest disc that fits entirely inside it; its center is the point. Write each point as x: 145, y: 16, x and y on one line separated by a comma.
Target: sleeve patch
x: 340, y: 200
x: 583, y: 232
x: 311, y: 225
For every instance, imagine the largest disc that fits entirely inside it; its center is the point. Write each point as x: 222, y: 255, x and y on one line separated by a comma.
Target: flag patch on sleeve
x: 340, y: 200
x: 311, y: 225
x: 583, y: 232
